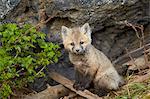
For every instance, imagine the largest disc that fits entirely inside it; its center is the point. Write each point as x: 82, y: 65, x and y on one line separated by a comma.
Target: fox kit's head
x: 76, y: 40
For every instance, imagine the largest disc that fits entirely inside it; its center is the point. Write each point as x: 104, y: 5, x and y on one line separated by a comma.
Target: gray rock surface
x: 106, y: 17
x: 6, y: 6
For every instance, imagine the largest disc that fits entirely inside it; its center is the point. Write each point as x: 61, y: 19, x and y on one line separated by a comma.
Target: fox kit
x: 91, y: 65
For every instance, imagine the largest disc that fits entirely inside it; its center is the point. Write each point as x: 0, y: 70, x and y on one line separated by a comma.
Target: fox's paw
x: 78, y: 86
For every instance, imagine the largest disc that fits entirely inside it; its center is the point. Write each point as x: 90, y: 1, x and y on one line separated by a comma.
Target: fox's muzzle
x: 79, y: 50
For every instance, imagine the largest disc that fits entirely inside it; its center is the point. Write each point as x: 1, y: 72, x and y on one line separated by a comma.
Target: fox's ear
x: 64, y: 31
x: 86, y: 29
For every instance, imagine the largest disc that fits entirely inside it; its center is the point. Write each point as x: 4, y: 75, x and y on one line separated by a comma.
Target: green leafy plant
x: 23, y: 52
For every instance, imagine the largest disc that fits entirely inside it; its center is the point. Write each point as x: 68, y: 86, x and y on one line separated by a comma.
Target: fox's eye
x: 72, y: 44
x: 81, y: 42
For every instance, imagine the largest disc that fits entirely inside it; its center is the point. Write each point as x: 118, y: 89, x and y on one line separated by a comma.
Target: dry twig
x: 141, y: 39
x: 132, y: 60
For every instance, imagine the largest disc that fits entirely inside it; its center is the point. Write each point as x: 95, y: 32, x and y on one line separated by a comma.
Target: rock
x: 6, y: 6
x: 106, y: 17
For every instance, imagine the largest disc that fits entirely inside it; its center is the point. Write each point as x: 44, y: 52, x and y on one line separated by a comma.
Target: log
x: 142, y: 78
x: 134, y: 54
x: 69, y: 84
x: 52, y: 92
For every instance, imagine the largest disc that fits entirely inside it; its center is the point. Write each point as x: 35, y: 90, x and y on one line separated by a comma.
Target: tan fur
x: 90, y: 61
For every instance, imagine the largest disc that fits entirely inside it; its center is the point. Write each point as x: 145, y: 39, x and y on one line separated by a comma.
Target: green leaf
x: 121, y: 97
x: 51, y: 54
x: 26, y: 38
x: 33, y: 30
x: 5, y: 91
x: 12, y: 26
x: 55, y: 60
x: 18, y: 48
x: 9, y: 75
x: 42, y: 35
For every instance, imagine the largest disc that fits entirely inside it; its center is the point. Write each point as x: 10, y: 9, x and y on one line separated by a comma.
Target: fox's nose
x: 77, y: 50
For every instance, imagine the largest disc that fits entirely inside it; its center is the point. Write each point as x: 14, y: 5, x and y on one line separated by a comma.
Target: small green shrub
x: 23, y: 50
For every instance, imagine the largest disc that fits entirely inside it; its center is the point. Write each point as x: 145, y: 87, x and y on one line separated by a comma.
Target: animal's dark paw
x: 78, y: 86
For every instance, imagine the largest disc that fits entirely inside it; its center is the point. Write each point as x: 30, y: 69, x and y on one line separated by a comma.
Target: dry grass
x: 132, y: 89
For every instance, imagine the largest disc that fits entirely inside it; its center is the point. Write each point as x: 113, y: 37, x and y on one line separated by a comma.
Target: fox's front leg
x: 82, y: 80
x: 78, y: 80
